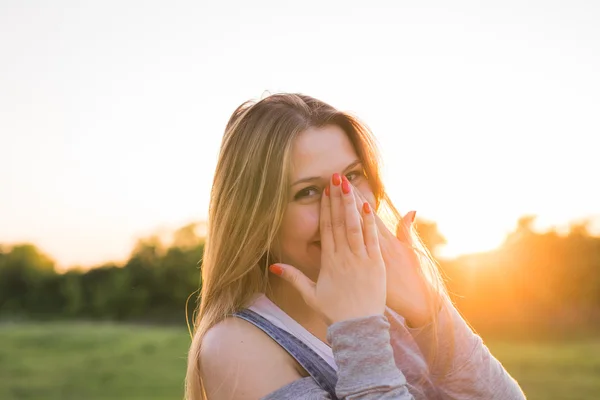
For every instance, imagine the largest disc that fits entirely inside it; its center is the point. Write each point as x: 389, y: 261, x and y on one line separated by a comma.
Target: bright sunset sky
x: 112, y: 112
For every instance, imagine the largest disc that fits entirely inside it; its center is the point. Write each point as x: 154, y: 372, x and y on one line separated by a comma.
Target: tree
x: 26, y: 279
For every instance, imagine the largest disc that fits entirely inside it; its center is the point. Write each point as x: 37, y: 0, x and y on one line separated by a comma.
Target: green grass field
x: 107, y: 361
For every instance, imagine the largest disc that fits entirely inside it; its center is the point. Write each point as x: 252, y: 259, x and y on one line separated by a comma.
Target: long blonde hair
x: 248, y: 200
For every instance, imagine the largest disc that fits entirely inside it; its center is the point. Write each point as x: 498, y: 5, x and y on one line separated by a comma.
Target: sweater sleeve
x: 366, y: 368
x: 463, y: 367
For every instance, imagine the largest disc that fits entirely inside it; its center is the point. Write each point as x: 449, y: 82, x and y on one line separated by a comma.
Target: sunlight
x: 473, y: 236
x: 470, y: 242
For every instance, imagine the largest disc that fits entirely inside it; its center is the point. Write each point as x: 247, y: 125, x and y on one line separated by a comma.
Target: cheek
x: 300, y: 226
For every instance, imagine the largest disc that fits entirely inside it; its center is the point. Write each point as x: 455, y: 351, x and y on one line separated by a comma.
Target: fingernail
x: 336, y: 179
x: 345, y: 185
x: 367, y: 207
x: 327, y: 190
x: 276, y: 269
x: 412, y: 217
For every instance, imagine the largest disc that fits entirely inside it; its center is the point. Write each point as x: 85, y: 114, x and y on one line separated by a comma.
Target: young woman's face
x: 317, y: 154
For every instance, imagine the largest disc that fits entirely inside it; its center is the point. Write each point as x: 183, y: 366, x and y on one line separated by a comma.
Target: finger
x: 326, y: 229
x: 409, y: 218
x: 382, y: 228
x: 403, y: 227
x: 358, y: 205
x: 338, y: 220
x: 358, y: 202
x: 297, y: 279
x: 354, y: 233
x: 371, y: 236
x: 360, y: 199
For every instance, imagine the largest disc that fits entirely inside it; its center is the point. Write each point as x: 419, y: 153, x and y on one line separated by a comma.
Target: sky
x: 112, y: 112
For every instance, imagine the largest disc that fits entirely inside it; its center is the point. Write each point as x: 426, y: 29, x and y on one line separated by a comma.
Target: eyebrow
x: 314, y: 178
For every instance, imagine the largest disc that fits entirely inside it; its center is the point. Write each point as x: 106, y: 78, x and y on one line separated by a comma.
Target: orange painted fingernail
x: 276, y: 269
x: 345, y: 185
x: 367, y: 207
x: 336, y: 179
x: 412, y: 219
x: 327, y: 190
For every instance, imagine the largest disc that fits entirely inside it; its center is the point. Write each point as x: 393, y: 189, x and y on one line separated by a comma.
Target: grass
x: 91, y: 361
x: 567, y: 369
x: 109, y: 361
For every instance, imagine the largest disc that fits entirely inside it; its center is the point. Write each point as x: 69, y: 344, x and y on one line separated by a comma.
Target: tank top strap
x: 318, y: 368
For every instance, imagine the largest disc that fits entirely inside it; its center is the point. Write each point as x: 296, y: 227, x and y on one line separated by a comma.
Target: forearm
x: 365, y: 360
x: 463, y: 367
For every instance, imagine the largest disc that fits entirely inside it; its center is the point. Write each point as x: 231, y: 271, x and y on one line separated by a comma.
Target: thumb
x: 297, y: 279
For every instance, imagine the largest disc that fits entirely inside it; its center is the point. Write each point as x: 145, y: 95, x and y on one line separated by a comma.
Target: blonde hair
x: 248, y: 200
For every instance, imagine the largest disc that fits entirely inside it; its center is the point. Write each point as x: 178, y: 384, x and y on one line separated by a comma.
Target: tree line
x: 546, y: 282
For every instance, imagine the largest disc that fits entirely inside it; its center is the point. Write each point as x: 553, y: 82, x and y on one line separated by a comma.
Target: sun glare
x: 469, y: 242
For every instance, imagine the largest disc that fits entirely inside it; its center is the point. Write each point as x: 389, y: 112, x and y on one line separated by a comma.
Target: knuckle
x: 337, y: 222
x: 354, y: 229
x: 360, y: 251
x: 292, y: 278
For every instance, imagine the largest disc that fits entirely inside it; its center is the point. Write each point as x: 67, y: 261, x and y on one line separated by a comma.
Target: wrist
x: 420, y: 315
x: 344, y: 317
x: 415, y: 322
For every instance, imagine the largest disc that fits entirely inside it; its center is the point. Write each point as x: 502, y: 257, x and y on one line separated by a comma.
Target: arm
x: 365, y: 360
x: 470, y: 371
x: 474, y: 373
x: 238, y: 361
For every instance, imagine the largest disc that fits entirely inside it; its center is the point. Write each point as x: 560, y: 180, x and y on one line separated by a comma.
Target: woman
x: 305, y: 291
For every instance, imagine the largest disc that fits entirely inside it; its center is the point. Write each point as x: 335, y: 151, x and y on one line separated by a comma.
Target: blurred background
x: 111, y: 116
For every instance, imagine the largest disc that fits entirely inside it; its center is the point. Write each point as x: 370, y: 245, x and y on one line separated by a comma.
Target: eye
x: 354, y: 175
x: 306, y: 192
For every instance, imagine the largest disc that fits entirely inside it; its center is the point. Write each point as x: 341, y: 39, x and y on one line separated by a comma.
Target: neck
x: 286, y: 297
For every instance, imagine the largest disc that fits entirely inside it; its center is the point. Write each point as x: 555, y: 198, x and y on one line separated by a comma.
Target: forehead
x: 321, y: 152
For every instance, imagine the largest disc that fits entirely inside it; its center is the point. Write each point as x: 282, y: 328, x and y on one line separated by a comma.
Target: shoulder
x: 238, y: 360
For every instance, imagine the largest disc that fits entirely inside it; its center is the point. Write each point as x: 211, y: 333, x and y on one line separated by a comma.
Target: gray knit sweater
x: 371, y: 364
